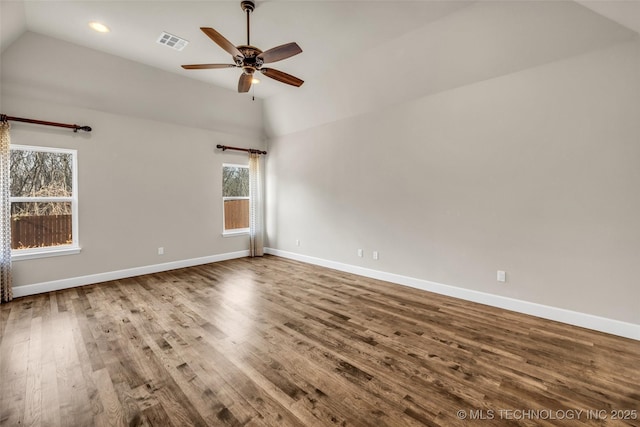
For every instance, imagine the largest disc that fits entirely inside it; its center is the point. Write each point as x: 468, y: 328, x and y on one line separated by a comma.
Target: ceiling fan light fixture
x: 99, y: 27
x: 255, y: 81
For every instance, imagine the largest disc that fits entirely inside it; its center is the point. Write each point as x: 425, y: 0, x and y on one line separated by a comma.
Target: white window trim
x: 235, y: 231
x: 50, y: 251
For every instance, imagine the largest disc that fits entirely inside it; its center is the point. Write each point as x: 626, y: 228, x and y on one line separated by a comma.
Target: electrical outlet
x: 375, y: 255
x: 297, y: 242
x: 160, y: 251
x: 360, y: 253
x: 502, y: 276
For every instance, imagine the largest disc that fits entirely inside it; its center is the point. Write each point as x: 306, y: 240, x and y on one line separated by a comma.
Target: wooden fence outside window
x: 236, y: 214
x: 33, y: 231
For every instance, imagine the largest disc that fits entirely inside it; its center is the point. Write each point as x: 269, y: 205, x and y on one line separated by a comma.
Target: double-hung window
x: 44, y: 201
x: 235, y: 198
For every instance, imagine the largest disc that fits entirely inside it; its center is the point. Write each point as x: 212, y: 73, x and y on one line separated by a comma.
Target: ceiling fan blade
x: 279, y: 53
x: 222, y: 42
x: 282, y: 77
x: 207, y: 66
x: 244, y: 84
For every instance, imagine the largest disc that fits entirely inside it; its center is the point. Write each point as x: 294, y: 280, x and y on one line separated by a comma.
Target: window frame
x: 49, y: 251
x: 235, y: 231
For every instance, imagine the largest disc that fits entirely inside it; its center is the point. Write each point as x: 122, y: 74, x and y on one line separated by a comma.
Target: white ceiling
x: 331, y: 33
x: 327, y: 31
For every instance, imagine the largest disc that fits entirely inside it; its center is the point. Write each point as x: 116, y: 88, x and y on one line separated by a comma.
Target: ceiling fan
x: 250, y: 58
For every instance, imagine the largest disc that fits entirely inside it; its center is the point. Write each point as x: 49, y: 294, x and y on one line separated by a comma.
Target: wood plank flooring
x: 273, y: 342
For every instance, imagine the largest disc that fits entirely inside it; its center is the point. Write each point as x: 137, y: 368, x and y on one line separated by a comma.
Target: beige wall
x: 535, y: 173
x: 149, y: 178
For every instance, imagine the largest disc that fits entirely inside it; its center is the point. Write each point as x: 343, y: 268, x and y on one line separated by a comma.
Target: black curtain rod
x: 4, y: 118
x: 248, y: 150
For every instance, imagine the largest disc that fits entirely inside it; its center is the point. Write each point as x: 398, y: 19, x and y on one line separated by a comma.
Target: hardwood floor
x: 273, y: 342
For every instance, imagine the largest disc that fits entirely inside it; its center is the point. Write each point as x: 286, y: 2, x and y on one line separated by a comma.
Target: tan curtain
x: 5, y: 215
x: 256, y: 222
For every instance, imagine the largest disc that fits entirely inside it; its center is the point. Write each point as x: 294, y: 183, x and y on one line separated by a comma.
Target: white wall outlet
x: 375, y: 255
x: 297, y: 242
x: 360, y: 253
x: 502, y: 276
x: 160, y: 251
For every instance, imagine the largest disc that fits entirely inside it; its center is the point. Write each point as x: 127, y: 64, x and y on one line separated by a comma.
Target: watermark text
x: 547, y: 414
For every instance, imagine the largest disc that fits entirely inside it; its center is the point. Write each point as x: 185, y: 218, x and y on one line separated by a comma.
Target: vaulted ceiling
x: 328, y: 32
x: 345, y: 40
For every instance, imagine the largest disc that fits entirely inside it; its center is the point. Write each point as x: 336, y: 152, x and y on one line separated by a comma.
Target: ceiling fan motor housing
x: 250, y: 59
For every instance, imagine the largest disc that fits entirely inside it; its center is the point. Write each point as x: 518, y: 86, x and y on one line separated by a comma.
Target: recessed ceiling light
x: 255, y: 81
x: 99, y: 27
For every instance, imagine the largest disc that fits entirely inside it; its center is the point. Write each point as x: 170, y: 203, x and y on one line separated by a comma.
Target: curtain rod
x: 248, y: 150
x: 4, y: 118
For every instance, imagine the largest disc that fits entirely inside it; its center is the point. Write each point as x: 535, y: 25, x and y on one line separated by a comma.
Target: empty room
x: 320, y: 213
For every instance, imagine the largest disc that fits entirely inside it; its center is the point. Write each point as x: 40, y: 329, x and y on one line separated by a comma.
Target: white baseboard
x: 602, y: 324
x: 56, y: 285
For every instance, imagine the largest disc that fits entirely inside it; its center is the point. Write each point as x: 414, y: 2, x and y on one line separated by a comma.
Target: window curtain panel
x: 256, y: 208
x: 5, y: 215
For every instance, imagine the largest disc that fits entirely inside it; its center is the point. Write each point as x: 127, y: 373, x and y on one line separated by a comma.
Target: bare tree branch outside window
x: 41, y: 174
x: 235, y: 181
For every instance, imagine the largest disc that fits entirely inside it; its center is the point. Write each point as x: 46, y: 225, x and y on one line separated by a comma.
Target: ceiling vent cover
x: 174, y: 42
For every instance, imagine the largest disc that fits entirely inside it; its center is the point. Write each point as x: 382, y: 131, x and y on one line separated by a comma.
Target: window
x: 235, y: 198
x: 44, y: 202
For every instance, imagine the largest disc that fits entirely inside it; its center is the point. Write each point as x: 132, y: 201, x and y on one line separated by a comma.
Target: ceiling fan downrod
x: 248, y: 6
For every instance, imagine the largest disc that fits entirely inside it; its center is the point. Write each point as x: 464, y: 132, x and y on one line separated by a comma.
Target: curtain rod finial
x: 76, y: 128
